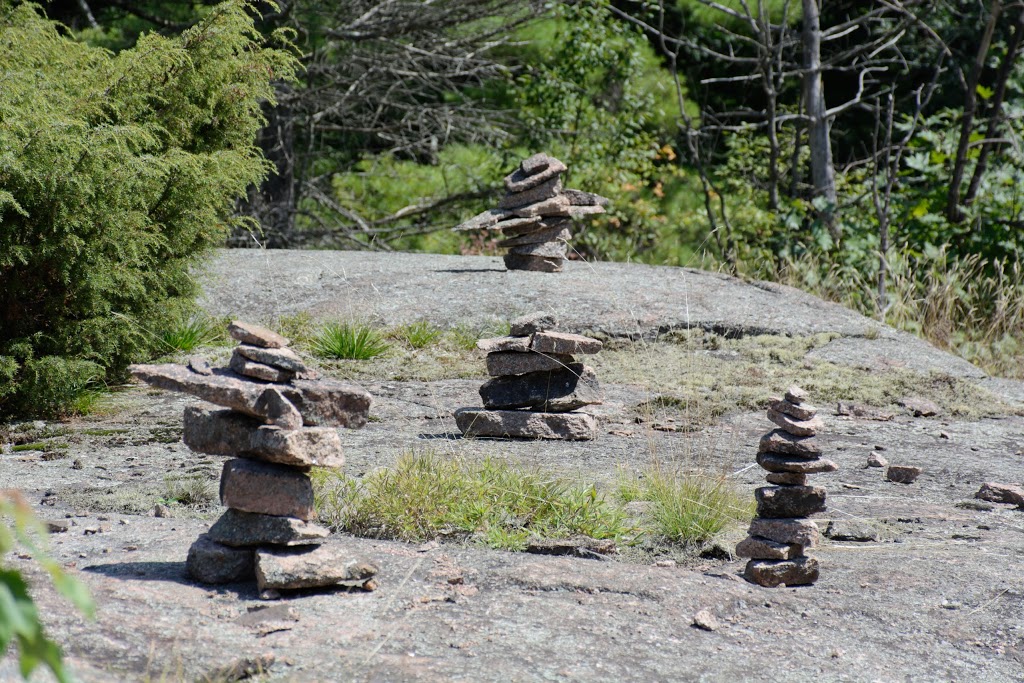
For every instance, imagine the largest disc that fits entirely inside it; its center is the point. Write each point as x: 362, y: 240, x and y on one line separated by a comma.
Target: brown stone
x: 505, y: 363
x: 789, y: 501
x: 556, y: 391
x: 758, y: 548
x: 277, y: 409
x: 1001, y: 493
x: 787, y: 478
x: 555, y: 234
x: 546, y: 190
x: 213, y: 563
x: 285, y: 359
x: 919, y: 407
x: 778, y: 441
x: 554, y: 206
x: 526, y: 325
x: 267, y: 373
x: 793, y: 426
x: 225, y: 432
x: 541, y: 169
x: 498, y: 344
x: 266, y: 488
x: 902, y: 474
x: 540, y: 264
x: 581, y: 198
x: 876, y: 460
x: 485, y: 219
x: 775, y: 462
x: 329, y: 403
x: 795, y: 394
x: 247, y: 333
x: 310, y: 567
x: 797, y: 411
x: 200, y: 366
x: 524, y: 424
x: 798, y: 531
x: 515, y: 225
x: 238, y: 528
x: 801, y: 571
x: 563, y: 342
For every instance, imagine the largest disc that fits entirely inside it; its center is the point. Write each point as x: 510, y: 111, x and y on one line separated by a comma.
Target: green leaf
x: 983, y: 92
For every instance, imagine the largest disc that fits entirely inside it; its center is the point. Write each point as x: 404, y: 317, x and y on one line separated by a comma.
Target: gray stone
x: 758, y: 548
x: 787, y: 478
x: 802, y: 571
x: 795, y: 394
x: 267, y: 373
x: 563, y: 342
x: 543, y: 250
x: 200, y: 366
x: 285, y: 359
x: 239, y: 528
x: 310, y: 567
x: 856, y: 530
x: 553, y: 206
x: 484, y: 220
x: 213, y: 563
x: 546, y: 190
x: 577, y: 212
x: 557, y: 391
x: 525, y: 424
x: 532, y: 322
x: 798, y: 531
x: 876, y: 460
x: 542, y: 168
x: 581, y: 198
x: 798, y: 411
x: 778, y: 441
x: 266, y: 488
x: 774, y: 462
x: 278, y: 410
x: 902, y: 474
x: 498, y: 344
x: 1001, y: 493
x: 515, y: 225
x: 795, y: 427
x: 225, y: 432
x: 505, y: 363
x: 577, y: 546
x: 705, y: 621
x: 919, y: 407
x: 539, y: 264
x: 789, y: 501
x: 248, y: 333
x: 323, y: 402
x: 555, y: 234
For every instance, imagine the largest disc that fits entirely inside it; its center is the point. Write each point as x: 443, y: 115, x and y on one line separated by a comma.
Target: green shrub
x: 349, y: 341
x: 117, y: 172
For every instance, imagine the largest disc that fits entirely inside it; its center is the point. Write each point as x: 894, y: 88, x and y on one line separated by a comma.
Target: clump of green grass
x: 299, y: 328
x: 418, y: 335
x: 501, y: 505
x: 348, y: 341
x: 689, y: 508
x: 189, y: 334
x: 192, y: 490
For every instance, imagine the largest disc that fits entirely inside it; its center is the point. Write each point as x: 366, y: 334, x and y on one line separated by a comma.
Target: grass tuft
x: 418, y: 335
x: 689, y: 508
x: 192, y: 333
x: 425, y: 496
x: 348, y: 341
x: 192, y: 490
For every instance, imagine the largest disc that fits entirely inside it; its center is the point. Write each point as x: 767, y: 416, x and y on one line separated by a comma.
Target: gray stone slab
x: 540, y: 264
x: 546, y: 190
x: 247, y: 333
x: 553, y: 206
x: 285, y: 359
x: 778, y: 441
x: 237, y: 528
x: 267, y: 489
x: 789, y: 501
x: 541, y: 249
x: 802, y: 571
x: 543, y: 169
x: 214, y: 563
x: 249, y: 368
x: 315, y: 567
x: 505, y: 363
x: 564, y: 342
x: 796, y: 531
x: 776, y: 462
x: 557, y: 391
x: 524, y: 424
x: 554, y: 234
x: 527, y: 324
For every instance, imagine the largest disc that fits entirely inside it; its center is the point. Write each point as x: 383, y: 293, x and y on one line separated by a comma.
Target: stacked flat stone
x: 780, y: 533
x: 535, y: 216
x: 537, y: 385
x: 279, y: 421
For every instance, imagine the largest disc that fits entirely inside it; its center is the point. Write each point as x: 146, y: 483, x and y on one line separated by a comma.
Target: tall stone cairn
x: 537, y: 385
x: 536, y: 214
x: 780, y: 533
x: 278, y: 420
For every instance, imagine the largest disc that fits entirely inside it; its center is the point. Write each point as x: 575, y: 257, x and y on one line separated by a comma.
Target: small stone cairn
x: 535, y: 215
x: 537, y: 385
x: 279, y: 421
x: 780, y: 532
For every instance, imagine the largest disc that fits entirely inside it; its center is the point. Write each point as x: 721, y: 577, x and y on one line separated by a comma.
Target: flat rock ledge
x: 523, y: 424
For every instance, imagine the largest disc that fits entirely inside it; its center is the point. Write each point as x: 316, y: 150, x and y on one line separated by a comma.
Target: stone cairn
x: 280, y: 420
x: 780, y: 532
x: 535, y: 215
x: 537, y: 385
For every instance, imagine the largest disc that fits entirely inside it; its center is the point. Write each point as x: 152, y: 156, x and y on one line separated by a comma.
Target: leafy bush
x: 117, y: 172
x: 19, y: 618
x: 349, y: 341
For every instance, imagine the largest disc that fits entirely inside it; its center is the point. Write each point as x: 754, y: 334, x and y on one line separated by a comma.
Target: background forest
x: 868, y: 152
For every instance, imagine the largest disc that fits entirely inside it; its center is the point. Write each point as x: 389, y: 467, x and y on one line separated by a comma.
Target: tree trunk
x: 823, y: 174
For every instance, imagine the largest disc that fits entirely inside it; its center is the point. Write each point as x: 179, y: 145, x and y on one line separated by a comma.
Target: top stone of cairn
x: 526, y: 325
x: 254, y: 335
x: 533, y: 171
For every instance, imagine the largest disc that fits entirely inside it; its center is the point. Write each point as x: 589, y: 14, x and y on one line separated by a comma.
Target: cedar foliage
x: 117, y: 172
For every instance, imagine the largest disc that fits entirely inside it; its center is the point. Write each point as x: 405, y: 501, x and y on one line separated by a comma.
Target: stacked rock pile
x: 537, y: 384
x: 279, y: 421
x: 780, y: 532
x: 535, y: 215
